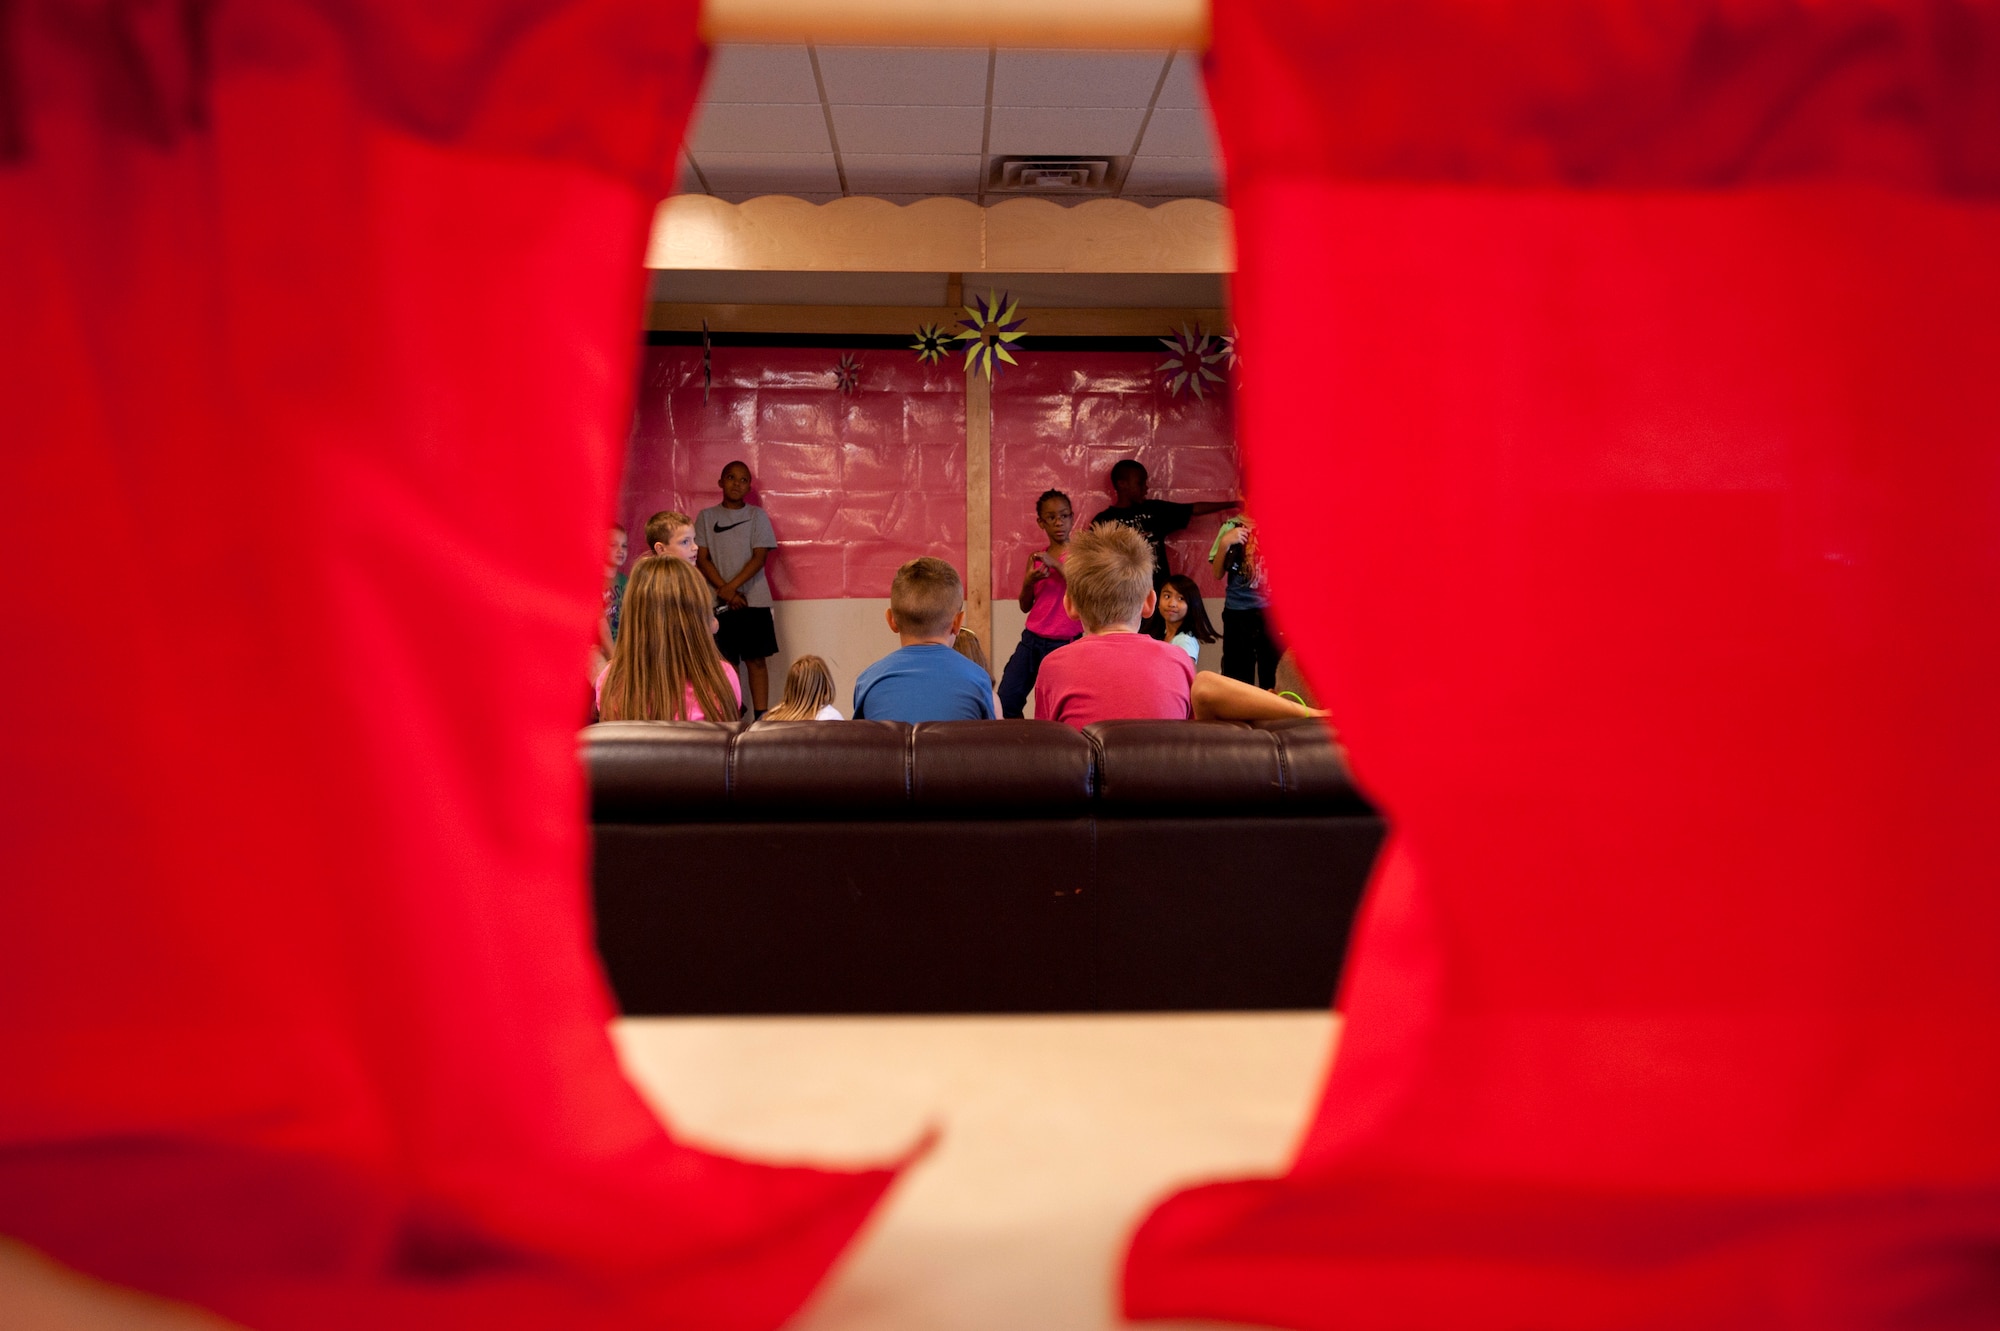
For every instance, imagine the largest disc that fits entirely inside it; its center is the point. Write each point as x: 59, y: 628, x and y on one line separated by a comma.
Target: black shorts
x: 746, y: 634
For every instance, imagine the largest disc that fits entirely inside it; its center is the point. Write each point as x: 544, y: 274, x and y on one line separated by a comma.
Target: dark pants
x: 1250, y: 651
x: 1017, y: 681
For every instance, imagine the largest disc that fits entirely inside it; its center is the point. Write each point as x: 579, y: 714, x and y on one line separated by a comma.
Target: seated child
x: 665, y: 666
x: 1114, y: 671
x: 1183, y: 617
x: 1049, y: 626
x: 967, y: 645
x: 925, y: 679
x: 808, y: 693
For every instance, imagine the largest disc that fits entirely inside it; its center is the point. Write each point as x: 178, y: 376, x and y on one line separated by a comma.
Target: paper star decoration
x: 1190, y: 364
x: 930, y: 344
x: 1227, y: 342
x: 847, y: 374
x: 988, y: 332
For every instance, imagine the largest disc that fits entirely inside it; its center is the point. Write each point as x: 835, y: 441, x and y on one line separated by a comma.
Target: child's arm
x: 1215, y: 506
x: 1237, y: 536
x: 1219, y: 698
x: 706, y: 567
x: 729, y: 590
x: 1037, y: 570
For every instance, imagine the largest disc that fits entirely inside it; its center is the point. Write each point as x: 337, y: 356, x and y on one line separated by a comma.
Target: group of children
x: 1110, y: 634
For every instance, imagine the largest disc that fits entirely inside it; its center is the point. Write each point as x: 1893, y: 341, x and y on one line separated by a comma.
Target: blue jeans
x: 1017, y: 681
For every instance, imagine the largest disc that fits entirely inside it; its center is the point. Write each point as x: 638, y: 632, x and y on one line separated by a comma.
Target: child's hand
x: 1237, y: 535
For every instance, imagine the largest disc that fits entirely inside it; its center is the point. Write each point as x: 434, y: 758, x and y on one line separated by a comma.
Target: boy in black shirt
x: 1154, y: 519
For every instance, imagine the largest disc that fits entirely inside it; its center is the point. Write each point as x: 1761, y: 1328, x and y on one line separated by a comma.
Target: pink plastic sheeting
x: 855, y: 485
x: 1064, y: 417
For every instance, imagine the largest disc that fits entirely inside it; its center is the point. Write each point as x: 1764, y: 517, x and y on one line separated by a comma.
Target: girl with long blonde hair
x: 808, y: 693
x: 665, y: 666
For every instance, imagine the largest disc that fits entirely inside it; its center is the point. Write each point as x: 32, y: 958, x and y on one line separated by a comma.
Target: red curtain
x: 316, y: 363
x: 1623, y: 380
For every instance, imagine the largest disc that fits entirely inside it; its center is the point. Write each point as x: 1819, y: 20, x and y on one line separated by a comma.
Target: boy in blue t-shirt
x: 925, y: 679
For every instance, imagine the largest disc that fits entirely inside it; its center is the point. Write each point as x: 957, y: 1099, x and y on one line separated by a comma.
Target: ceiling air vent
x: 1054, y: 175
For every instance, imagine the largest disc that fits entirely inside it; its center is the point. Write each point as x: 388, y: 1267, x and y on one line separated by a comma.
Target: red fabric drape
x: 315, y: 358
x: 1621, y: 389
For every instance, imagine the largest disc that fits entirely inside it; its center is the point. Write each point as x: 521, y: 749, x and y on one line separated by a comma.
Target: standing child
x: 1250, y: 650
x: 1042, y: 586
x: 1154, y: 519
x: 671, y: 533
x: 732, y: 540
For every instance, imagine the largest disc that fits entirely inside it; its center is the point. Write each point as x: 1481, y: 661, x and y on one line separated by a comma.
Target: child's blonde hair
x: 967, y: 645
x: 1110, y: 570
x: 808, y: 687
x: 660, y: 527
x: 926, y: 595
x: 665, y: 652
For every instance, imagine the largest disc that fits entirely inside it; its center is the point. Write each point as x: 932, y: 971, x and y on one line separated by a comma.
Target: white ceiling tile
x: 910, y: 129
x: 762, y: 128
x: 874, y: 173
x: 904, y: 75
x: 787, y: 173
x: 1178, y: 132
x: 739, y: 73
x: 1021, y: 130
x: 1172, y: 175
x: 1184, y: 87
x: 1076, y: 78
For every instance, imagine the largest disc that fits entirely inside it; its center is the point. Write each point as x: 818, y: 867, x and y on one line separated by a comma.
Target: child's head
x: 735, y: 482
x: 926, y: 601
x: 966, y: 643
x: 1054, y: 515
x: 665, y: 648
x: 1180, y: 602
x: 1110, y: 574
x: 617, y: 548
x: 1128, y: 480
x: 808, y: 687
x: 671, y: 533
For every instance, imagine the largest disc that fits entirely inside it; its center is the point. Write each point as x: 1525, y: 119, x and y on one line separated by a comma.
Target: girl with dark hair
x: 1183, y: 617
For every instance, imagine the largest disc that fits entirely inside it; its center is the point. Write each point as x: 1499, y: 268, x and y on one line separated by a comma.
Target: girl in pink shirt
x: 664, y: 666
x: 1050, y: 625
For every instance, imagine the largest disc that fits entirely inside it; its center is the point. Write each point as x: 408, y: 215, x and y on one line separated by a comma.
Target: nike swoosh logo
x: 732, y: 526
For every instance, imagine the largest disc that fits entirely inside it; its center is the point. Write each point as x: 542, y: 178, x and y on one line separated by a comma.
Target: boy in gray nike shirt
x: 732, y: 540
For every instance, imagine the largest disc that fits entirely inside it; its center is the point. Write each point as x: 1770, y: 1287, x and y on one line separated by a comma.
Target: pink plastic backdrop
x: 1062, y: 419
x: 855, y: 484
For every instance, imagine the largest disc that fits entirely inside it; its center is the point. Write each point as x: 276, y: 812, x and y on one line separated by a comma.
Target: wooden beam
x: 863, y: 235
x: 898, y: 320
x: 979, y: 511
x: 1130, y: 24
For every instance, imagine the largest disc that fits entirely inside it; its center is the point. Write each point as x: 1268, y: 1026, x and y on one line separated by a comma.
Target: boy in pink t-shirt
x: 1114, y: 672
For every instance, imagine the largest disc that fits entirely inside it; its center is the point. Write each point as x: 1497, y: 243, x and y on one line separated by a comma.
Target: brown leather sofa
x: 973, y: 866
